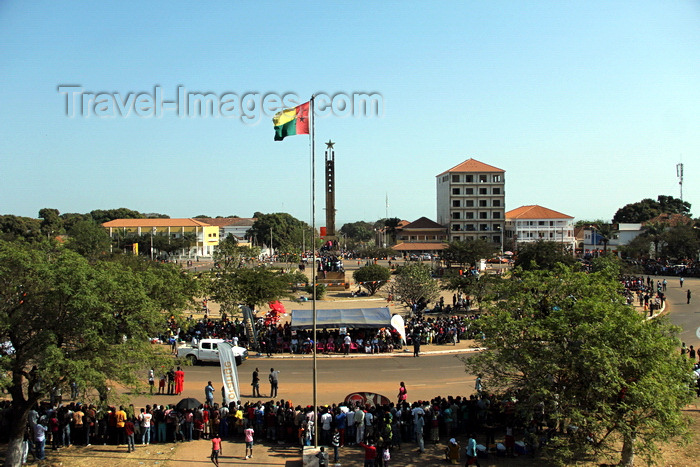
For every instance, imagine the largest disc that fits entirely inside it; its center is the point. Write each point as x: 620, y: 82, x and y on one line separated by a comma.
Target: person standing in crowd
x: 256, y: 383
x: 248, y: 435
x: 274, y: 382
x: 151, y: 379
x: 688, y: 297
x: 209, y: 393
x: 322, y: 456
x: 129, y: 430
x: 335, y: 442
x: 472, y: 458
x: 370, y: 452
x: 403, y: 393
x: 419, y: 428
x: 120, y: 419
x: 145, y: 420
x: 179, y: 381
x: 681, y: 281
x: 216, y: 449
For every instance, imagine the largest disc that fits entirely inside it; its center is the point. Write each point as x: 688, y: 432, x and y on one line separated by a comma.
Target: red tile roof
x: 155, y: 223
x: 534, y: 211
x: 227, y: 221
x: 472, y: 165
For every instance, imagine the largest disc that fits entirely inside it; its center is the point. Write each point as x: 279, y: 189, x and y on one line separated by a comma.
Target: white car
x: 207, y: 351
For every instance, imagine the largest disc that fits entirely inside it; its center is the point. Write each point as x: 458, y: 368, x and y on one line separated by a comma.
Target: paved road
x: 681, y: 314
x: 425, y: 378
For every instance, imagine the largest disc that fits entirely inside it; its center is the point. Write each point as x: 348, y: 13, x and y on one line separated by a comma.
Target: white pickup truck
x: 207, y: 351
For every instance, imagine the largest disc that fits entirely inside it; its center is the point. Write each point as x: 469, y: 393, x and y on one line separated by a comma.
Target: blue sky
x: 587, y: 105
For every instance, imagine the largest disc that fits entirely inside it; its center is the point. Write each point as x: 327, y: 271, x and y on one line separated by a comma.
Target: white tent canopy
x: 348, y: 318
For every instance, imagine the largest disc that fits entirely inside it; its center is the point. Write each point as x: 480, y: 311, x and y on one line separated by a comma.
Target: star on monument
x: 330, y: 144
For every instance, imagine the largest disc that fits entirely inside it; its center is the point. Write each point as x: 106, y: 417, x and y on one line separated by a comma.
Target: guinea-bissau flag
x: 290, y: 122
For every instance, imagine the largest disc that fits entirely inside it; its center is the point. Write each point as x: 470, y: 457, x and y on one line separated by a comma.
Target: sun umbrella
x: 188, y: 403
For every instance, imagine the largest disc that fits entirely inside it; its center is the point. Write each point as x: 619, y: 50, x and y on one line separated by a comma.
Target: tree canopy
x: 66, y: 319
x: 286, y: 232
x: 648, y: 208
x: 541, y: 255
x: 468, y: 252
x: 372, y: 277
x: 414, y: 283
x: 571, y: 351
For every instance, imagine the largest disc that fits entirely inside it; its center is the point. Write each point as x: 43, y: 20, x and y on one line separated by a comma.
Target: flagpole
x: 313, y: 268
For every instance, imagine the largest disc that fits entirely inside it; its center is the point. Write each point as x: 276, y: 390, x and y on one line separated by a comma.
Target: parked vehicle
x: 207, y: 351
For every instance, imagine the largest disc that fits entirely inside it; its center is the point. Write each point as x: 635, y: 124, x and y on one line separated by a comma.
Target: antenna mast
x: 679, y: 174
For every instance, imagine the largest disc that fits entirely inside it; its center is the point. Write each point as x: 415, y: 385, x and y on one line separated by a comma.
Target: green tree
x: 413, y: 283
x: 88, y: 239
x: 480, y: 287
x: 468, y: 252
x: 541, y: 255
x: 252, y: 287
x: 105, y: 215
x: 67, y: 320
x: 51, y: 222
x: 229, y: 253
x: 360, y: 232
x: 284, y: 230
x: 389, y: 224
x: 560, y: 341
x: 372, y: 277
x: 681, y: 242
x: 19, y: 228
x: 648, y: 208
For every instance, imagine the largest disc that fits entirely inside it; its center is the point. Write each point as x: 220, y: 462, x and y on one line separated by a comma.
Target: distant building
x: 531, y: 223
x: 471, y: 201
x: 206, y: 235
x: 421, y: 236
x: 236, y: 226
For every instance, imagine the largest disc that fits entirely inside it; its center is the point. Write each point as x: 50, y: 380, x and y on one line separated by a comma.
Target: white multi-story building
x: 471, y: 201
x: 532, y: 223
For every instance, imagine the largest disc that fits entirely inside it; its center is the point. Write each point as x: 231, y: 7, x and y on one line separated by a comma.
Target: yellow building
x: 206, y: 235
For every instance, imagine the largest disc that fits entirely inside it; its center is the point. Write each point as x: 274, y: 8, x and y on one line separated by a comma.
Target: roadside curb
x: 364, y: 355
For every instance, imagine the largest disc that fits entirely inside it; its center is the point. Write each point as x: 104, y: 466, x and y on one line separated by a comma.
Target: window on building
x: 455, y: 191
x: 540, y: 222
x: 483, y: 191
x: 455, y: 178
x: 483, y: 227
x: 496, y: 239
x: 469, y: 215
x: 470, y: 227
x: 456, y: 237
x: 469, y: 203
x: 444, y: 179
x: 496, y: 203
x: 496, y: 179
x: 483, y: 215
x: 469, y: 178
x: 483, y: 203
x: 455, y: 215
x: 497, y: 227
x: 455, y: 227
x: 455, y: 203
x: 483, y: 179
x: 496, y: 191
x: 496, y: 215
x: 551, y: 223
x: 469, y: 191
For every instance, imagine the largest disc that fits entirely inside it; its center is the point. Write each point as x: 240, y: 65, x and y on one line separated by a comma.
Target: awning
x: 348, y: 318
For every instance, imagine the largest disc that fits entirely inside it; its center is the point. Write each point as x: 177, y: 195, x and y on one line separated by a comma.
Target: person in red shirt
x: 129, y: 432
x: 215, y: 449
x: 370, y: 452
